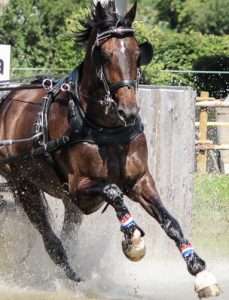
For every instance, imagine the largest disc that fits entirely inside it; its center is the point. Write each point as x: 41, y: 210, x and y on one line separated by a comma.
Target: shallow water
x: 166, y: 281
x: 27, y: 272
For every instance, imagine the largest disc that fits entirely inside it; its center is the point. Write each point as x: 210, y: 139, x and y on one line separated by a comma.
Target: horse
x: 82, y: 141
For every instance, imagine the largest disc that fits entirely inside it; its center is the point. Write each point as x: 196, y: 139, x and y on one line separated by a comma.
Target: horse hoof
x: 206, y: 285
x: 134, y: 248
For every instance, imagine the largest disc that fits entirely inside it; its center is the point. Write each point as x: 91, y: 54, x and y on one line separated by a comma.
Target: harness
x: 81, y: 130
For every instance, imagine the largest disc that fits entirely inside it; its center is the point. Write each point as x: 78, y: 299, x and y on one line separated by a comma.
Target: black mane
x: 103, y: 17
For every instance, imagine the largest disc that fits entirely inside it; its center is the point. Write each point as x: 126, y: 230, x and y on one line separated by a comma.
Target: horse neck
x: 89, y: 85
x: 91, y: 92
x: 91, y: 98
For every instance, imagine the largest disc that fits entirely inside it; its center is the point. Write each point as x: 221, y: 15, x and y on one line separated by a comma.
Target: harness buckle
x: 47, y: 84
x: 100, y: 74
x: 107, y: 102
x: 65, y: 87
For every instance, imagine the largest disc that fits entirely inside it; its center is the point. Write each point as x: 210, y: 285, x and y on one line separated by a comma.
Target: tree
x: 71, y: 53
x: 168, y: 11
x: 205, y: 16
x: 32, y: 28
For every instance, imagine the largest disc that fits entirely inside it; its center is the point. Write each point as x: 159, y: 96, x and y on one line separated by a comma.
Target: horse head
x: 111, y: 67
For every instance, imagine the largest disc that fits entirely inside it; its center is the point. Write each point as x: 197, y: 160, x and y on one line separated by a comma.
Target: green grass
x: 211, y: 210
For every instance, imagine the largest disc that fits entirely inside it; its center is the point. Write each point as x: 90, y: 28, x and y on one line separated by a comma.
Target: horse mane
x: 103, y: 17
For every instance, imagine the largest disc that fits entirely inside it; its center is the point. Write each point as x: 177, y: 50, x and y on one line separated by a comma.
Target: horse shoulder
x: 136, y: 159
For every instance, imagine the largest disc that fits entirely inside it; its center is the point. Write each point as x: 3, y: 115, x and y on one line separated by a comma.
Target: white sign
x: 5, y: 62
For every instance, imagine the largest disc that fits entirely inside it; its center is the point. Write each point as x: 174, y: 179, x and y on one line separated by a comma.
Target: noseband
x: 99, y: 68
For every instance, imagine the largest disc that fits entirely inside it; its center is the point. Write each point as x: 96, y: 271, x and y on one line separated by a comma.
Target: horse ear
x: 99, y: 11
x: 130, y: 15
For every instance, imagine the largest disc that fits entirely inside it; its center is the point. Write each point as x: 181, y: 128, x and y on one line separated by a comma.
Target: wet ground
x: 27, y: 273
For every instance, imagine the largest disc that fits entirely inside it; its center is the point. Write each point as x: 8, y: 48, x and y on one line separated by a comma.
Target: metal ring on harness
x: 65, y: 87
x: 47, y: 84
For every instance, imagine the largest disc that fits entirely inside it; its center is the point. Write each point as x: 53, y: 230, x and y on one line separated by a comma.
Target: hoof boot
x: 206, y: 285
x: 134, y: 248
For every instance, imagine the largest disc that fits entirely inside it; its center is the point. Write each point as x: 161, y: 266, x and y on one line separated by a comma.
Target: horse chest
x: 115, y: 164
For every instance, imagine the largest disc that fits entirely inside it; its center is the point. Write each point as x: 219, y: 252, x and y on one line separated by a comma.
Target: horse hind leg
x: 146, y: 194
x: 73, y: 218
x: 32, y: 202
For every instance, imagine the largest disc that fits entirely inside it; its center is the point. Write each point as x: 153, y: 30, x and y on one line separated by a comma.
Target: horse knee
x: 112, y: 194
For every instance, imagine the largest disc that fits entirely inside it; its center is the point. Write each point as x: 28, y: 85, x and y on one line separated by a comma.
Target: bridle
x: 110, y: 88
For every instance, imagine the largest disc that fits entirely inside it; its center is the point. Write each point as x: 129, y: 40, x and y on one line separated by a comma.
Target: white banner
x: 5, y: 62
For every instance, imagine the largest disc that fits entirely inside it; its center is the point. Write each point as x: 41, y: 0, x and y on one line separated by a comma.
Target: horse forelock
x: 102, y: 17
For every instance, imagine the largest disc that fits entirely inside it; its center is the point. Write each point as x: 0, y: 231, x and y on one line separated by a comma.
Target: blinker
x: 146, y: 53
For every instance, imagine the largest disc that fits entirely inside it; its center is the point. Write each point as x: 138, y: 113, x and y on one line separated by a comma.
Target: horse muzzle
x: 128, y: 116
x: 134, y: 248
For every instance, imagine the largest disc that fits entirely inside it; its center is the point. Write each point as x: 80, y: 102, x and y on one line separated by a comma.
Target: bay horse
x: 83, y: 141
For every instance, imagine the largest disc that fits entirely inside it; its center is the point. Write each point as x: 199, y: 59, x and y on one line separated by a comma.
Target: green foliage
x: 213, y: 188
x: 211, y: 213
x: 205, y: 16
x: 32, y: 28
x: 152, y: 74
x: 168, y: 12
x: 70, y: 53
x: 40, y: 33
x: 182, y: 51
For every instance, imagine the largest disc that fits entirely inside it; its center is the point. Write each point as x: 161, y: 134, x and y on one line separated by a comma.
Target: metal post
x: 120, y: 4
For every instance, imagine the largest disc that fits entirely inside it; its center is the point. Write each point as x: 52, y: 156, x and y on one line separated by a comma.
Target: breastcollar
x: 83, y: 130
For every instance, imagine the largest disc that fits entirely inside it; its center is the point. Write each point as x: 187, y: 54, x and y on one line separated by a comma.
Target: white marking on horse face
x: 123, y: 48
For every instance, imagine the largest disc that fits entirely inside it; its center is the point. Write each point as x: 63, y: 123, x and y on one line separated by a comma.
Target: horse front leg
x: 91, y: 197
x: 146, y: 194
x: 133, y: 245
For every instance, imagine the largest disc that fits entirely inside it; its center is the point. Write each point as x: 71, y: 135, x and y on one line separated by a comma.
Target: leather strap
x: 117, y: 85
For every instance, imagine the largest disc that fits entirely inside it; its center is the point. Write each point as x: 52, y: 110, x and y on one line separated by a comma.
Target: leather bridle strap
x: 117, y: 85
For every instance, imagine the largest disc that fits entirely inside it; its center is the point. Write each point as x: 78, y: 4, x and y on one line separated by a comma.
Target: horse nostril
x: 127, y: 118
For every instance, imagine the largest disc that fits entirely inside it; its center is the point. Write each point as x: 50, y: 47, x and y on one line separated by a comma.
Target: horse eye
x: 105, y: 58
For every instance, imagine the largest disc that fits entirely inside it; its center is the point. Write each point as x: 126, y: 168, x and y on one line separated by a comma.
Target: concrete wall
x: 168, y: 115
